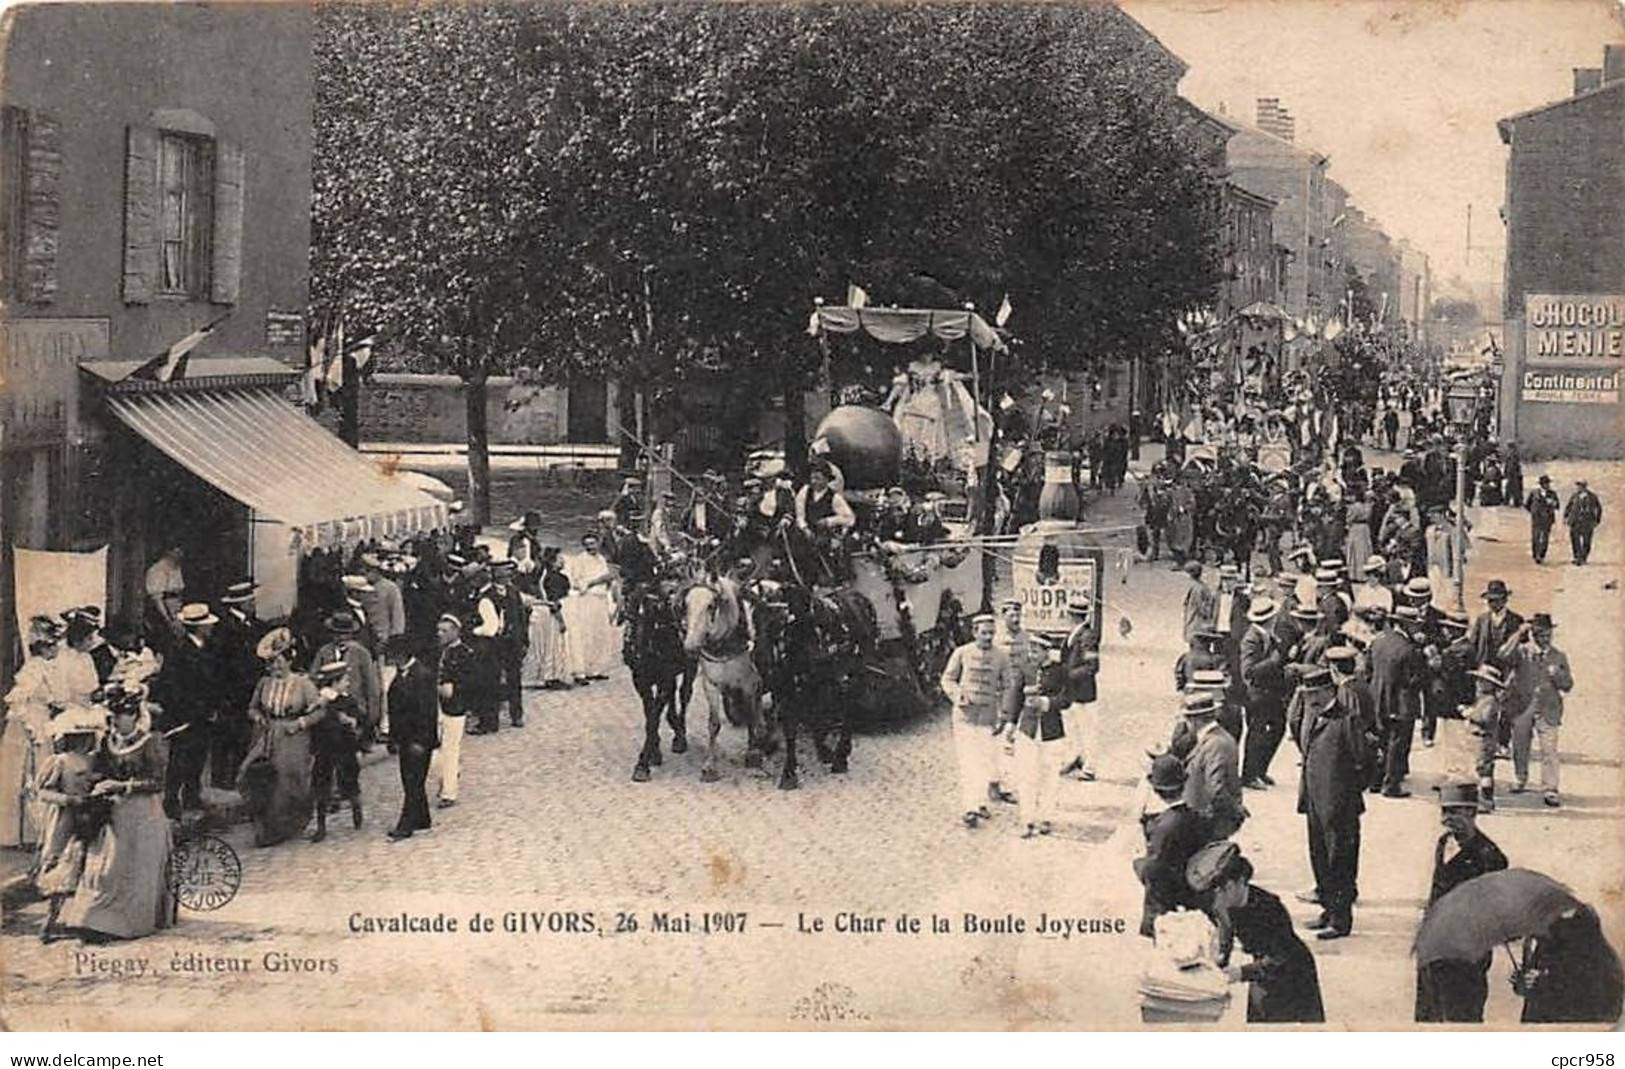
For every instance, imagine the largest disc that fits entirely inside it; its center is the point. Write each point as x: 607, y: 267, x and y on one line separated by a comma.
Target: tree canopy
x: 640, y: 190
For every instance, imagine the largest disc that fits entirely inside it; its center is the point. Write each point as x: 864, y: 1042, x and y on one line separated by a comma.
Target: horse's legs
x: 788, y: 781
x: 843, y: 735
x: 650, y: 754
x: 677, y: 711
x: 713, y: 707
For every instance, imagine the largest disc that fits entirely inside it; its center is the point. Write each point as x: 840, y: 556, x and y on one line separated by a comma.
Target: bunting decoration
x: 170, y: 365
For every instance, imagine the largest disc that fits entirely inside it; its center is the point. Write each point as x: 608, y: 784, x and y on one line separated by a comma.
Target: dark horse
x: 810, y: 647
x: 662, y: 671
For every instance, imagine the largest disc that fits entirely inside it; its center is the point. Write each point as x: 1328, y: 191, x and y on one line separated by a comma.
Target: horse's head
x: 710, y: 614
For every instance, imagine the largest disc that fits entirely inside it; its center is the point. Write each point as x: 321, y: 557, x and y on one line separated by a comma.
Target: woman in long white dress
x: 592, y: 641
x: 46, y: 683
x: 545, y: 591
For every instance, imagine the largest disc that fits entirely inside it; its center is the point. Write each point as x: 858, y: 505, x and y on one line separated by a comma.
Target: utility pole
x: 1468, y: 259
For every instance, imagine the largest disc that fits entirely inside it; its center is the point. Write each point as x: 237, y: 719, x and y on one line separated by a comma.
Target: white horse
x: 716, y: 631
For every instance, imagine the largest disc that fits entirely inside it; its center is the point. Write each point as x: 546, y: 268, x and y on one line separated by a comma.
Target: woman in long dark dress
x: 275, y: 778
x: 1285, y: 984
x: 123, y: 892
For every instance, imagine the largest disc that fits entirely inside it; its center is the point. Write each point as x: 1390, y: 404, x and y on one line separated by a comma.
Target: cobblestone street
x: 550, y: 824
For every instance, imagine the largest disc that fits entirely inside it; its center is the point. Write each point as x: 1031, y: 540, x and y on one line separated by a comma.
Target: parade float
x: 924, y: 595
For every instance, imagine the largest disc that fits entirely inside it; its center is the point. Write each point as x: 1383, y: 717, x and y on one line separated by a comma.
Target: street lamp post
x: 1461, y: 400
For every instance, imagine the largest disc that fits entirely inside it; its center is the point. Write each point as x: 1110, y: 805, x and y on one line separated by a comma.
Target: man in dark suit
x: 1263, y: 673
x: 1212, y: 788
x: 513, y: 641
x: 1398, y: 674
x: 1492, y: 627
x: 1171, y: 838
x: 1455, y: 991
x: 1330, y: 795
x: 415, y: 730
x: 235, y: 641
x: 188, y: 688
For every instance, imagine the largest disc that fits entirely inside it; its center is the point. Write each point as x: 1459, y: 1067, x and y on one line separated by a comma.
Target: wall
x: 1565, y: 185
x: 431, y: 408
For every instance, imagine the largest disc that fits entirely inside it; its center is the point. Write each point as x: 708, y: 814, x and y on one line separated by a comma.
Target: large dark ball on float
x: 865, y: 444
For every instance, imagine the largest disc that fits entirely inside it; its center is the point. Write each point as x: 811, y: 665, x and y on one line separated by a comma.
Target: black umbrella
x: 1493, y: 909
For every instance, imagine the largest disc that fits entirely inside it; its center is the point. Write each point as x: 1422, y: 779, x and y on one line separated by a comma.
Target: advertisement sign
x: 39, y: 365
x: 1047, y: 583
x: 1575, y: 387
x: 1569, y: 330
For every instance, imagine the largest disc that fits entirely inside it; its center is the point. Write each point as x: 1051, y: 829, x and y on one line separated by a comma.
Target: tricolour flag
x: 171, y: 363
x: 856, y: 297
x: 1003, y: 315
x: 335, y: 356
x: 361, y: 352
x: 315, y: 366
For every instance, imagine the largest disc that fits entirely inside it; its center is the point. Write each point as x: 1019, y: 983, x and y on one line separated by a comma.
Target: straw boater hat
x: 1078, y: 607
x: 1200, y: 703
x: 1342, y: 655
x: 239, y: 592
x: 197, y: 614
x: 357, y: 584
x: 1261, y: 610
x: 1419, y: 587
x: 1325, y: 577
x: 331, y: 669
x: 1305, y: 612
x: 1489, y: 674
x: 1209, y: 679
x: 1375, y: 563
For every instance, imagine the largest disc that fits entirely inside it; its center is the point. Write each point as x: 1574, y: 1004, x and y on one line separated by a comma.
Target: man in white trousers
x: 981, y: 684
x: 1040, y: 738
x: 1081, y: 663
x: 453, y: 680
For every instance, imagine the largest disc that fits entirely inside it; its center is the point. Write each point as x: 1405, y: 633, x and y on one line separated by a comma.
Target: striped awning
x: 264, y: 452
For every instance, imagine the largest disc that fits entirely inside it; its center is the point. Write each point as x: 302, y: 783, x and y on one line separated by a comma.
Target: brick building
x: 157, y: 179
x: 1565, y: 268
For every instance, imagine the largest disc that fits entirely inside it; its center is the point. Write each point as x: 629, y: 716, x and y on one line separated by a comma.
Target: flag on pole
x: 1003, y: 315
x: 335, y: 367
x: 315, y: 365
x: 361, y: 352
x: 856, y: 297
x: 171, y: 363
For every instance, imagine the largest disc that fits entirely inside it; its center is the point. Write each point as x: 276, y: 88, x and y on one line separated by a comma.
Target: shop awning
x: 264, y: 452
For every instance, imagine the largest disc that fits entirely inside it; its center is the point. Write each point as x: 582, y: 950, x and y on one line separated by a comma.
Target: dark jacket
x: 1398, y: 673
x: 188, y: 685
x: 1262, y: 663
x: 1477, y: 856
x: 413, y: 719
x: 1486, y: 637
x: 1171, y: 838
x: 235, y: 642
x: 456, y: 667
x: 1285, y: 986
x: 1336, y: 766
x: 1082, y: 664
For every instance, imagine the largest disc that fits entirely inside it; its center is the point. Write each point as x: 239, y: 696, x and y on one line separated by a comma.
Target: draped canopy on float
x: 900, y: 325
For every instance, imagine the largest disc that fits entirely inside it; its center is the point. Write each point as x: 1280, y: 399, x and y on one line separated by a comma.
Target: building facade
x: 1295, y: 179
x: 1564, y: 300
x: 157, y: 182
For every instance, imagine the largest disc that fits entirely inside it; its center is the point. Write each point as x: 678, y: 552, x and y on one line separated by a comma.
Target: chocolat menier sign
x: 1574, y: 345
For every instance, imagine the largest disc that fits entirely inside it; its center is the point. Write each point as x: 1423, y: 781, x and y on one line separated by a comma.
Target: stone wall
x: 431, y: 408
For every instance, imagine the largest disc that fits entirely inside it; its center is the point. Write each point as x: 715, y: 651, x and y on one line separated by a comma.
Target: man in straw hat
x: 1484, y: 718
x: 1212, y: 788
x: 237, y: 642
x: 1455, y: 991
x: 1081, y: 715
x: 980, y: 683
x: 1172, y: 836
x: 1263, y: 664
x: 1540, y: 678
x: 188, y: 688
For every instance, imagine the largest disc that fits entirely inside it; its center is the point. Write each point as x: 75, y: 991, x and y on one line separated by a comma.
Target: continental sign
x: 1571, y: 387
x: 1573, y: 329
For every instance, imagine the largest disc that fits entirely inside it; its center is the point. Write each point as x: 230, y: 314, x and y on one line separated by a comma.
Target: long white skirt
x: 592, y: 644
x: 545, y: 660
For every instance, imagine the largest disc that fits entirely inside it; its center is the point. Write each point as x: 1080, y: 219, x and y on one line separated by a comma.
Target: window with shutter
x: 30, y: 215
x: 141, y: 215
x: 227, y: 238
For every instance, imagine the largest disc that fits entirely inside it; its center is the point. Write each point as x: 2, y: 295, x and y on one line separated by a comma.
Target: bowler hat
x: 1207, y: 634
x: 342, y: 623
x: 1458, y: 796
x: 1167, y: 775
x: 1193, y: 568
x: 1545, y: 480
x: 1541, y: 621
x: 1496, y: 589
